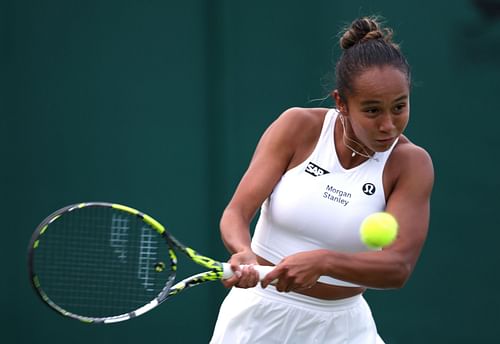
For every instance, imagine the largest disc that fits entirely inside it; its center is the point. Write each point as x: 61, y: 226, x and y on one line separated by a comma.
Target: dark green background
x: 159, y: 104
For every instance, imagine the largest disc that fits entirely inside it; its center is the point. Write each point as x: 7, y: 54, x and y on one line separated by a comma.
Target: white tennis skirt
x: 265, y: 316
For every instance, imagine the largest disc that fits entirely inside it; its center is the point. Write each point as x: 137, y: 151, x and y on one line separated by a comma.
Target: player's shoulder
x: 298, y: 120
x: 293, y: 131
x: 411, y: 151
x: 412, y: 158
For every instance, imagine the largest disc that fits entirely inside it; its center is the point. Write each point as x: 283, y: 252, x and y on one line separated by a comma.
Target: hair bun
x: 362, y: 30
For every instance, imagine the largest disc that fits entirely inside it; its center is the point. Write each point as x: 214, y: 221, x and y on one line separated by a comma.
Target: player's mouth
x: 385, y: 141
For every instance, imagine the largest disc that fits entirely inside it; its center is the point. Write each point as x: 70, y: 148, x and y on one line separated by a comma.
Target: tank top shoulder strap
x: 384, y: 156
x: 324, y: 152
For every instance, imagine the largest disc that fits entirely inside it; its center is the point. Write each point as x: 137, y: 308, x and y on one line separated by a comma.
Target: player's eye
x: 371, y: 111
x: 399, y: 108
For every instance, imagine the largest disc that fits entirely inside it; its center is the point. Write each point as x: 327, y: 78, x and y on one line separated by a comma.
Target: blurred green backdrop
x: 159, y: 104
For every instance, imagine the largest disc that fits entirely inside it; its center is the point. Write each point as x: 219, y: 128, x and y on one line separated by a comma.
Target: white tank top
x: 320, y: 205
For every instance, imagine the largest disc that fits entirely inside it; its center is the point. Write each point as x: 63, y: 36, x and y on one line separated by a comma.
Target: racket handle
x: 263, y: 270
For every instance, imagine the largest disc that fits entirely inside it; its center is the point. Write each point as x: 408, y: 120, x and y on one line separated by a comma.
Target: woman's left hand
x: 296, y: 272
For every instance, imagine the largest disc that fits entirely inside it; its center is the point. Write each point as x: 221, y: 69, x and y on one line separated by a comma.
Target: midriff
x: 322, y: 290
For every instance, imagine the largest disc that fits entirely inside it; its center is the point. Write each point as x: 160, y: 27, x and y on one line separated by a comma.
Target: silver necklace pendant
x: 354, y: 152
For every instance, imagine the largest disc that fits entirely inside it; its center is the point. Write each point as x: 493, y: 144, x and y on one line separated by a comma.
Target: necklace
x: 354, y: 152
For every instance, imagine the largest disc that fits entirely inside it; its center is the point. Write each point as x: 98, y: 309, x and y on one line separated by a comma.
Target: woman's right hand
x: 246, y: 277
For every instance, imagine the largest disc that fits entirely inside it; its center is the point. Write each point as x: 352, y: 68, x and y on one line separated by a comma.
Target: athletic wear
x: 316, y: 205
x: 266, y: 316
x: 319, y: 204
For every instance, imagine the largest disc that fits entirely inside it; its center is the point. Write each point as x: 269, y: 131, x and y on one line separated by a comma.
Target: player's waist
x: 271, y: 257
x: 324, y: 291
x: 309, y: 302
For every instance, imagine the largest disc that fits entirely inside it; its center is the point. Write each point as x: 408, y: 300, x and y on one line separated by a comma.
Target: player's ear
x: 340, y: 104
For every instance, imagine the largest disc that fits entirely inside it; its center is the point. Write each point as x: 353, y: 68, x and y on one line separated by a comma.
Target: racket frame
x: 216, y: 270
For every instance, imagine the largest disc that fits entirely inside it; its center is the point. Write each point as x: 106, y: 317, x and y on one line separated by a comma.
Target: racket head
x: 101, y: 262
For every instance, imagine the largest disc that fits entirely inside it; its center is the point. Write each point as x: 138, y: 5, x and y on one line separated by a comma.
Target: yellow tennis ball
x: 378, y: 230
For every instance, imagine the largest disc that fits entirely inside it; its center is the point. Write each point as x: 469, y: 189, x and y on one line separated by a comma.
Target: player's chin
x: 380, y: 146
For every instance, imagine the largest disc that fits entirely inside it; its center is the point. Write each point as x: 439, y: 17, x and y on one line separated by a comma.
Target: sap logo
x: 315, y: 170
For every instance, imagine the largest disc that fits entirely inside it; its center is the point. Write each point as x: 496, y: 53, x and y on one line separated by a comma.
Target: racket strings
x: 100, y: 262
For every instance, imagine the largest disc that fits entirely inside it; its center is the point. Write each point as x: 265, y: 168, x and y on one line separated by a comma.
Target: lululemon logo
x: 369, y: 189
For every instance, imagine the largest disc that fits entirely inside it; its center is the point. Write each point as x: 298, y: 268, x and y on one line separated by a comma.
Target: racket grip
x: 263, y: 270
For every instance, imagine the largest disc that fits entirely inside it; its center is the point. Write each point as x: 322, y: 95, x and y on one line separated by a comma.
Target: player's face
x: 379, y: 107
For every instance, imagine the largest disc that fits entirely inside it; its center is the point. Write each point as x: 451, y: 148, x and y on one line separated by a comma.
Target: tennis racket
x: 105, y: 263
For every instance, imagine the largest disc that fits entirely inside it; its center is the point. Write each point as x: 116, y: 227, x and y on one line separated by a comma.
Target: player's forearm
x: 384, y: 270
x: 235, y: 231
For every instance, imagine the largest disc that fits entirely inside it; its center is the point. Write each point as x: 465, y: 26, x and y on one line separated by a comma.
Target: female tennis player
x: 316, y: 174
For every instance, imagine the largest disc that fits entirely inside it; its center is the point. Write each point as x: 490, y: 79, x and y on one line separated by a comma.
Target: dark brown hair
x: 366, y: 44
